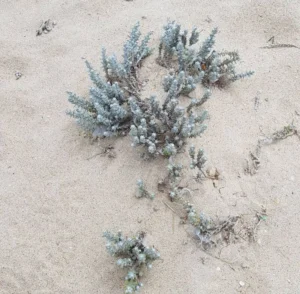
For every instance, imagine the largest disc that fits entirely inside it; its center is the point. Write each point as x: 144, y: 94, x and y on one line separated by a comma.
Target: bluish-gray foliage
x: 185, y: 83
x: 115, y: 107
x: 198, y: 102
x: 220, y: 69
x: 169, y: 41
x: 174, y: 175
x: 132, y: 254
x: 198, y: 160
x: 205, y: 65
x: 208, y: 231
x: 164, y: 129
x: 106, y: 112
x: 134, y: 52
x: 173, y: 40
x: 204, y: 226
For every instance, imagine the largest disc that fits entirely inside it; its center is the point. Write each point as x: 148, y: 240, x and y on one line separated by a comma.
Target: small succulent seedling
x: 142, y: 191
x: 198, y: 161
x: 174, y: 176
x: 133, y: 255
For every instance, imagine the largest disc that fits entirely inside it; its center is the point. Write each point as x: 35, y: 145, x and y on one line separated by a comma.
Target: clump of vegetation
x: 205, y: 65
x: 164, y: 129
x: 126, y: 72
x: 173, y: 38
x: 184, y: 82
x: 133, y: 255
x: 115, y: 107
x: 207, y: 230
x: 106, y: 113
x: 142, y: 191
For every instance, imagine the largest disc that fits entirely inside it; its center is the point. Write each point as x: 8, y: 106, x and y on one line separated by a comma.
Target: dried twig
x: 108, y: 150
x: 277, y: 45
x: 253, y: 164
x: 170, y: 207
x: 282, y: 134
x: 257, y: 100
x: 273, y: 46
x: 272, y: 40
x: 221, y: 259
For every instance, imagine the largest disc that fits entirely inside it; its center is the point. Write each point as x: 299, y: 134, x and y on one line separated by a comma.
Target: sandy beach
x: 58, y: 194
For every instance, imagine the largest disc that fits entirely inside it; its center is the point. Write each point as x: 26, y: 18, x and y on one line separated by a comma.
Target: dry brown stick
x: 173, y: 223
x: 93, y: 156
x: 254, y: 229
x: 169, y: 207
x: 271, y: 40
x: 221, y: 259
x: 273, y: 46
x: 104, y: 151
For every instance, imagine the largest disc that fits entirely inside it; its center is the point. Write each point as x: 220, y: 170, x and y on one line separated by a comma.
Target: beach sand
x: 57, y: 197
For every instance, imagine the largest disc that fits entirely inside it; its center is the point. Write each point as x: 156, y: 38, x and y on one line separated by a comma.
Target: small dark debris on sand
x: 18, y: 75
x: 46, y: 27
